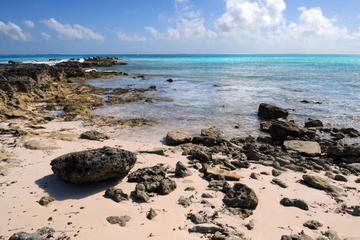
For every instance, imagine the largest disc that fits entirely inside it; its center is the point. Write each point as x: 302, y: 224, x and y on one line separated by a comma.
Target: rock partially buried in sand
x: 305, y: 147
x: 320, y: 183
x: 268, y: 112
x: 294, y: 203
x: 313, y: 224
x: 40, y: 145
x: 241, y: 196
x: 93, y: 135
x: 44, y: 201
x: 296, y: 237
x: 205, y: 228
x: 93, y: 165
x: 181, y: 170
x: 116, y: 194
x: 118, y: 220
x: 174, y: 138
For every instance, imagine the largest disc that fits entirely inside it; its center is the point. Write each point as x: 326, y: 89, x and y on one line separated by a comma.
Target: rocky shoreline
x: 189, y: 187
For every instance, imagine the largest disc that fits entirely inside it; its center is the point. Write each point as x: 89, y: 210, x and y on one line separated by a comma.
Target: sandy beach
x: 81, y: 211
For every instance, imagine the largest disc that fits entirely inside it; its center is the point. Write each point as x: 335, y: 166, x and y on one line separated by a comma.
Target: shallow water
x: 225, y: 90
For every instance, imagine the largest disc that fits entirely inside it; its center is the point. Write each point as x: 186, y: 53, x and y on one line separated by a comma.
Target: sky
x: 179, y: 26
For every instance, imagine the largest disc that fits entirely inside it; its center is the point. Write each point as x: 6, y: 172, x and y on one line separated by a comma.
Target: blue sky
x: 180, y: 26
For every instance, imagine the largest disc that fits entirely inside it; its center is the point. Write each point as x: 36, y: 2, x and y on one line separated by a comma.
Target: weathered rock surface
x: 116, y: 194
x: 151, y: 214
x: 240, y: 196
x: 320, y: 183
x: 45, y: 201
x: 94, y: 135
x: 41, y: 145
x: 205, y: 228
x: 313, y: 123
x: 294, y: 203
x: 306, y: 147
x: 296, y: 237
x: 197, y: 218
x: 268, y: 112
x: 184, y: 201
x: 122, y: 220
x: 313, y: 224
x: 151, y: 180
x: 174, y: 138
x: 285, y: 130
x: 93, y: 165
x: 181, y: 170
x: 219, y: 174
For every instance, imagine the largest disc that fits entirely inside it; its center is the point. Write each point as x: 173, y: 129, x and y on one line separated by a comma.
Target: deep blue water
x: 225, y: 90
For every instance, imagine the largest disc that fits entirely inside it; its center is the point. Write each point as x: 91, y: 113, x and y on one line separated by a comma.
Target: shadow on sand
x: 61, y: 190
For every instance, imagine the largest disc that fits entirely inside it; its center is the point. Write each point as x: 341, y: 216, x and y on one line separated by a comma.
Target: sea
x: 226, y: 90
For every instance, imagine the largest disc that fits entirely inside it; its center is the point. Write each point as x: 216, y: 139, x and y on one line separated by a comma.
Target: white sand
x: 21, y: 189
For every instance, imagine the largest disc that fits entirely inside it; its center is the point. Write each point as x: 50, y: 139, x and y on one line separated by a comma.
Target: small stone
x: 189, y: 189
x: 250, y: 225
x: 174, y: 138
x: 357, y: 180
x: 254, y: 175
x: 122, y: 220
x: 313, y: 224
x: 151, y: 214
x: 45, y: 201
x: 340, y: 178
x: 265, y: 173
x: 185, y: 202
x: 294, y: 203
x: 279, y: 183
x: 94, y: 135
x: 207, y: 195
x: 181, y: 170
x: 205, y: 228
x: 116, y: 194
x: 276, y: 172
x: 197, y: 218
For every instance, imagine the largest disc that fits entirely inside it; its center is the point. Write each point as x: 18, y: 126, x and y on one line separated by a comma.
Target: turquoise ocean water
x: 225, y: 90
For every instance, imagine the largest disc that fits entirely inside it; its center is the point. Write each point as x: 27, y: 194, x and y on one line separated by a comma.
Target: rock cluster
x: 151, y: 180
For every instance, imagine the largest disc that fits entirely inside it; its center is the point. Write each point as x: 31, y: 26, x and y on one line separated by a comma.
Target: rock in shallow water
x: 268, y: 112
x: 93, y: 165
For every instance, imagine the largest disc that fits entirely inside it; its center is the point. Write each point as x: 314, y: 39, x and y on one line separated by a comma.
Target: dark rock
x: 268, y: 112
x: 276, y: 172
x: 357, y: 180
x: 201, y: 154
x: 151, y: 214
x: 207, y: 195
x: 250, y: 225
x: 303, y: 236
x: 122, y: 220
x: 151, y: 180
x: 181, y: 170
x: 240, y: 196
x: 189, y: 189
x: 26, y: 236
x: 94, y: 135
x: 205, y: 228
x: 174, y: 138
x: 285, y: 130
x: 185, y: 202
x: 210, y: 137
x: 45, y: 201
x: 197, y: 218
x: 320, y: 183
x: 46, y: 232
x: 341, y: 150
x: 116, y: 194
x: 355, y: 211
x: 279, y: 183
x: 294, y: 203
x: 313, y: 224
x: 340, y: 178
x: 93, y: 165
x: 254, y: 175
x: 313, y: 123
x: 170, y: 80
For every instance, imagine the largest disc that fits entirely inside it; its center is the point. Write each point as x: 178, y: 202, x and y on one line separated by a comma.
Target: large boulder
x: 285, y: 130
x: 341, y: 150
x: 93, y: 165
x: 268, y: 112
x: 306, y: 147
x: 174, y: 138
x: 240, y: 196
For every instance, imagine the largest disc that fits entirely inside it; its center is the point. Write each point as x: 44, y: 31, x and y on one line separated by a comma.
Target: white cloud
x: 123, y: 37
x: 241, y: 15
x: 29, y: 24
x: 74, y: 32
x: 312, y: 23
x: 13, y: 31
x: 46, y: 36
x: 189, y: 25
